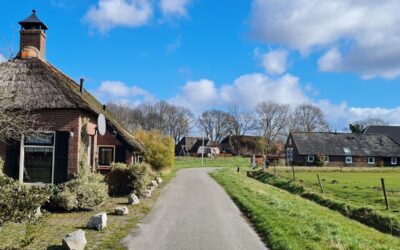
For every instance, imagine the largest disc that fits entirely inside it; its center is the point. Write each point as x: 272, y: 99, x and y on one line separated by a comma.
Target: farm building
x: 60, y: 107
x: 190, y: 145
x: 391, y: 131
x: 341, y: 149
x: 243, y: 145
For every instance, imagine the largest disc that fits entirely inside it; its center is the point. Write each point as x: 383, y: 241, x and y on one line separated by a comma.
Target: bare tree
x: 308, y: 118
x: 123, y: 113
x: 16, y: 122
x: 171, y: 120
x: 214, y: 124
x: 273, y: 121
x: 179, y: 122
x: 241, y: 122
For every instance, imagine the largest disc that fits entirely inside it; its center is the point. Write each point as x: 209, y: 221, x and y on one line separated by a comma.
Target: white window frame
x: 105, y: 146
x: 22, y: 157
x: 373, y: 160
x: 326, y: 159
x: 308, y: 158
x: 393, y: 160
x: 349, y: 159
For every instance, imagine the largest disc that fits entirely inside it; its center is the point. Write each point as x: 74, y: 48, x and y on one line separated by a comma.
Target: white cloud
x: 274, y: 62
x: 2, y: 58
x: 247, y: 91
x: 365, y: 33
x: 117, y: 91
x: 174, y: 7
x: 342, y: 114
x: 108, y: 14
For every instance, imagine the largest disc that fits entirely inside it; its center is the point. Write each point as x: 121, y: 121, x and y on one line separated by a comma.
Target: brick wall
x: 68, y: 120
x: 35, y: 38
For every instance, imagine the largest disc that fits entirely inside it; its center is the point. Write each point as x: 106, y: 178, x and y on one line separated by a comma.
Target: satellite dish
x: 101, y: 124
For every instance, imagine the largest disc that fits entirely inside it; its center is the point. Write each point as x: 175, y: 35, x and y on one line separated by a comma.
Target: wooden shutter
x: 12, y: 160
x: 120, y: 154
x: 61, y: 157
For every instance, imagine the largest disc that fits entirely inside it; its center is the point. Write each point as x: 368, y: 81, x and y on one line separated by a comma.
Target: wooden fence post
x: 320, y: 184
x: 384, y: 193
x: 294, y: 176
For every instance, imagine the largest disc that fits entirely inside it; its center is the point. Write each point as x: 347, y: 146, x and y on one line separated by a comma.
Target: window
x: 106, y: 155
x: 310, y: 158
x: 290, y: 141
x: 349, y: 159
x: 327, y: 158
x: 371, y: 160
x: 37, y: 158
x: 289, y: 154
x: 394, y: 161
x: 347, y: 150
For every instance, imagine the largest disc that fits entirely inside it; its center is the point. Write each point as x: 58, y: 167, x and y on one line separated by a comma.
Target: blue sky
x: 340, y: 55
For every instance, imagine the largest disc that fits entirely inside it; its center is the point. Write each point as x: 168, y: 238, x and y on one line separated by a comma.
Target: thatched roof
x: 391, y: 131
x: 34, y: 83
x: 336, y: 144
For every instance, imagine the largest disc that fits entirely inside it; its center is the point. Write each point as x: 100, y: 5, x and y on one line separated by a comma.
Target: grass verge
x: 287, y: 221
x: 367, y: 215
x: 57, y: 225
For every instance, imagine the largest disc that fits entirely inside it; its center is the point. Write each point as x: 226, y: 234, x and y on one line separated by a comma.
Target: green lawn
x: 59, y: 224
x: 230, y: 162
x: 287, y: 221
x: 361, y: 188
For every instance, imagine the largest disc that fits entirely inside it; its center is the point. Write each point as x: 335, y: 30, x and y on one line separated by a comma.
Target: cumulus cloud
x: 117, y: 91
x: 108, y: 14
x: 174, y: 7
x: 340, y: 115
x: 365, y: 34
x: 274, y: 62
x: 247, y: 91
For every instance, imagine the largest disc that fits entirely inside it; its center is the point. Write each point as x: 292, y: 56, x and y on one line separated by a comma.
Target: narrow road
x: 194, y: 212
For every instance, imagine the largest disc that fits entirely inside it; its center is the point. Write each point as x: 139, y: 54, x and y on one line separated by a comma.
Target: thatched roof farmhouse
x: 61, y: 106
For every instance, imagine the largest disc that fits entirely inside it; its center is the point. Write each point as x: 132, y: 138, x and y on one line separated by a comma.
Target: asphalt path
x: 194, y: 212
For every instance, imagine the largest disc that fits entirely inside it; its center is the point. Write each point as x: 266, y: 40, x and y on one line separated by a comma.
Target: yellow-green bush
x: 160, y: 149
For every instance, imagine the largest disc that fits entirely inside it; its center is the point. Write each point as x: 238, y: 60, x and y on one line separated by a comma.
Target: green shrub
x: 160, y: 149
x: 123, y: 179
x: 85, y: 192
x: 320, y: 160
x: 18, y: 202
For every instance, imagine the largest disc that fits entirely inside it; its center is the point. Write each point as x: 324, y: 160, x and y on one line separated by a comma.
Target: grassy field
x: 359, y: 187
x: 287, y: 221
x: 57, y: 225
x: 229, y: 162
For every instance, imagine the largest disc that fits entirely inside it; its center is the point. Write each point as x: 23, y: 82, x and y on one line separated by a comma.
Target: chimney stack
x: 81, y: 85
x: 33, y: 34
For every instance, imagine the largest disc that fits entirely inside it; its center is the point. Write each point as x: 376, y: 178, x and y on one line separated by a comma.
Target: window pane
x: 40, y: 140
x: 38, y: 164
x: 106, y: 156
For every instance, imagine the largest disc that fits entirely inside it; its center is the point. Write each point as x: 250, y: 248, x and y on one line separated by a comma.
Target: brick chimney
x: 33, y: 34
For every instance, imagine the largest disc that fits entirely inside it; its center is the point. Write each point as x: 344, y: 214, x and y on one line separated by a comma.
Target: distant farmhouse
x: 190, y: 145
x: 243, y: 145
x: 60, y: 105
x: 341, y: 149
x: 391, y: 131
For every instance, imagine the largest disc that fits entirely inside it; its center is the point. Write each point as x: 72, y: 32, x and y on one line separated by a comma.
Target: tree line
x: 269, y: 119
